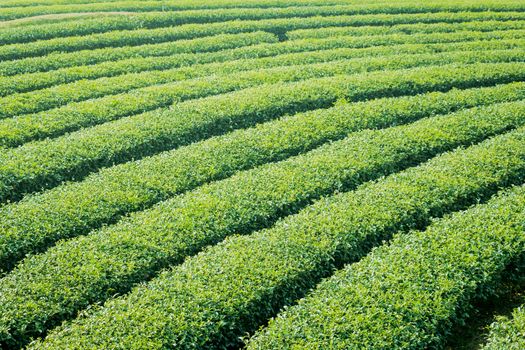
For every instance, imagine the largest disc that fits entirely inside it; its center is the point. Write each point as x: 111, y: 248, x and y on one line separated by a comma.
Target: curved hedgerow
x: 48, y: 19
x: 183, y: 4
x: 374, y: 7
x: 237, y: 46
x: 480, y: 26
x: 214, y: 298
x: 244, y: 202
x: 23, y: 3
x: 152, y: 5
x: 56, y: 96
x: 52, y: 123
x: 46, y: 163
x: 89, y: 57
x: 148, y: 55
x: 153, y: 20
x: 208, y: 45
x: 180, y: 5
x: 75, y: 208
x: 192, y: 31
x: 43, y: 100
x: 159, y: 161
x: 408, y: 294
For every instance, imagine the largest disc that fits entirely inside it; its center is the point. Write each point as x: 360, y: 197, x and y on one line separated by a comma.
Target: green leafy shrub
x: 212, y: 299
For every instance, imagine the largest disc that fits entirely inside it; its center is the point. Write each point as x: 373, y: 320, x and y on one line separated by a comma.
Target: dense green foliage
x: 108, y: 55
x: 407, y: 294
x: 372, y: 6
x: 508, y: 334
x: 191, y: 31
x: 43, y: 100
x: 27, y: 81
x: 167, y: 19
x: 75, y: 208
x: 192, y: 174
x: 45, y: 163
x: 481, y: 26
x: 210, y: 300
x: 181, y: 5
x: 239, y: 204
x: 89, y: 57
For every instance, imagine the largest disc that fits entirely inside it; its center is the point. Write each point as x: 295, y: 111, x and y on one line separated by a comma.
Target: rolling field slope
x: 260, y: 174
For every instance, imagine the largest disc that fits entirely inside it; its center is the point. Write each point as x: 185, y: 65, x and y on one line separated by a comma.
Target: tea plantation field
x: 262, y: 174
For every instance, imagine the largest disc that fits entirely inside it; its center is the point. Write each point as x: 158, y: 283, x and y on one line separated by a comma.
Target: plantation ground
x: 262, y: 174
